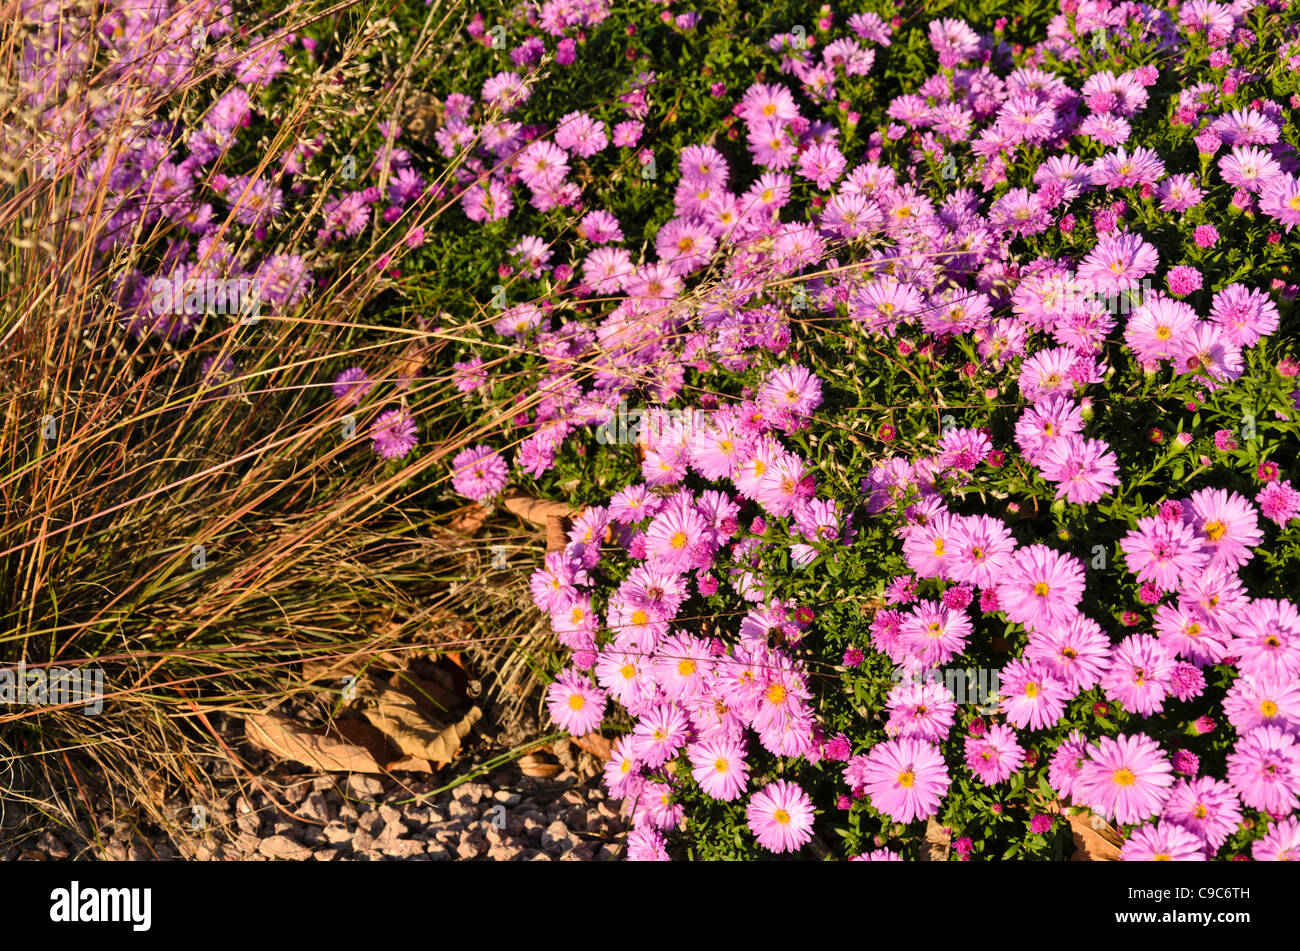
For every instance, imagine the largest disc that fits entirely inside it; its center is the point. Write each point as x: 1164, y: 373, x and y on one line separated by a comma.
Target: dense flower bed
x: 996, y: 382
x: 927, y: 378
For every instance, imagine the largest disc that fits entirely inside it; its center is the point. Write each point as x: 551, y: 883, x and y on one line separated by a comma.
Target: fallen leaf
x: 400, y: 718
x: 1095, y: 840
x: 286, y: 739
x: 470, y: 519
x: 595, y: 744
x: 434, y: 698
x: 539, y: 765
x: 938, y: 842
x: 535, y: 510
x: 557, y: 533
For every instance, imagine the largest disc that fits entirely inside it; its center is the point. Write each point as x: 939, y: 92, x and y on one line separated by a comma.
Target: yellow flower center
x: 686, y: 667
x: 720, y: 765
x: 1268, y: 708
x: 1215, y: 530
x: 1124, y: 777
x: 1164, y: 333
x: 628, y: 671
x: 776, y: 694
x: 907, y: 779
x: 1031, y: 690
x: 577, y: 701
x: 782, y: 817
x: 639, y: 617
x: 1041, y: 589
x: 938, y: 546
x: 1200, y: 811
x: 679, y: 541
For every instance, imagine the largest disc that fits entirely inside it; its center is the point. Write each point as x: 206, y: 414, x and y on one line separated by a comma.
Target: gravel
x: 503, y: 816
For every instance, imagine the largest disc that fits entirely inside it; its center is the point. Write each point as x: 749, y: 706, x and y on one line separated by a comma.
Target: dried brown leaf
x: 938, y: 842
x: 400, y: 718
x: 539, y: 765
x: 1095, y: 840
x: 595, y: 744
x: 534, y: 510
x: 286, y: 739
x: 557, y: 533
x: 470, y: 519
x: 437, y: 698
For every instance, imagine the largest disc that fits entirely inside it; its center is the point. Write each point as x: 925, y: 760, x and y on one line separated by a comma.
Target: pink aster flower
x: 659, y: 734
x: 1228, y: 526
x: 718, y: 765
x: 671, y: 537
x: 394, y: 434
x: 1267, y: 639
x: 979, y: 550
x: 792, y: 388
x: 921, y: 710
x: 927, y: 547
x: 1163, y: 552
x: 1183, y: 279
x: 1279, y: 197
x: 1077, y: 651
x: 1244, y: 313
x: 478, y: 473
x: 656, y: 808
x: 1179, y: 192
x: 994, y: 756
x: 1156, y: 329
x: 647, y: 845
x: 1083, y: 469
x: 1125, y: 778
x: 1041, y: 587
x: 1206, y: 807
x: 935, y: 633
x: 905, y: 778
x: 1263, y: 701
x: 351, y: 385
x: 1281, y: 844
x: 1032, y: 696
x: 1067, y: 764
x: 781, y: 817
x: 1264, y: 769
x: 1118, y: 263
x: 1140, y: 674
x: 879, y: 855
x: 1279, y: 502
x: 1162, y: 842
x: 575, y: 703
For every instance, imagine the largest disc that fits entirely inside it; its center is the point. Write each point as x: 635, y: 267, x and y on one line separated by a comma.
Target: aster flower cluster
x: 891, y: 370
x: 725, y: 506
x: 160, y: 177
